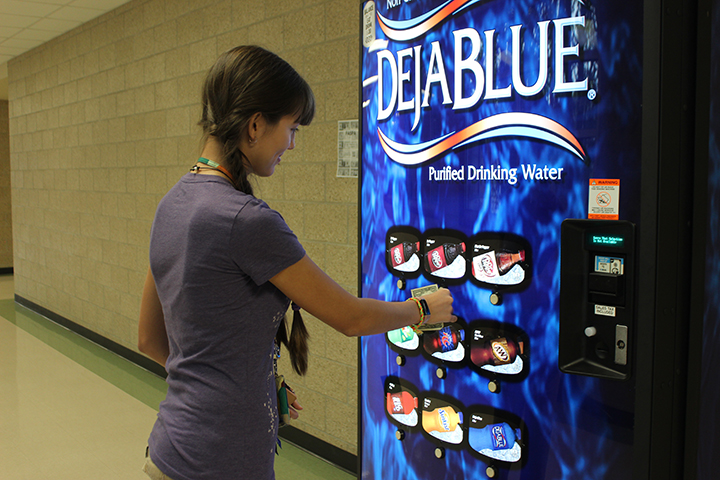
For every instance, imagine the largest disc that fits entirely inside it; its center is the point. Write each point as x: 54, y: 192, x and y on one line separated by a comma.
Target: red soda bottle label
x: 396, y: 255
x: 436, y: 258
x: 401, y: 403
x: 402, y: 252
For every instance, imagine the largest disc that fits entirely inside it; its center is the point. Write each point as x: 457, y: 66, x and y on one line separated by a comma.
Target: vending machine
x: 507, y: 155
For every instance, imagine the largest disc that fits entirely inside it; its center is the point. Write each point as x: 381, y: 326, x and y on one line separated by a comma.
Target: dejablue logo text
x: 459, y: 72
x: 397, y: 69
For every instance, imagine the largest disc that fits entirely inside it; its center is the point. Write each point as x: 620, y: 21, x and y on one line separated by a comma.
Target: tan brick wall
x: 103, y: 123
x: 6, y: 252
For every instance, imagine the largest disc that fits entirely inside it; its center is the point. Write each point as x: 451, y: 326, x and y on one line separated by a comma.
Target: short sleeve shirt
x: 212, y: 251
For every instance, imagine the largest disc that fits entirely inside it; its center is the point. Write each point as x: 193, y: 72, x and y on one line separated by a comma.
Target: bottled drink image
x: 444, y: 423
x: 497, y: 440
x: 446, y: 343
x: 402, y: 403
x: 444, y: 340
x: 491, y: 265
x: 499, y: 348
x: 403, y: 252
x: 506, y: 260
x: 498, y: 351
x: 447, y: 260
x: 404, y: 338
x: 444, y: 255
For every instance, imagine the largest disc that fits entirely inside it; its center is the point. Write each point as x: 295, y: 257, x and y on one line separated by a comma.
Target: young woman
x: 223, y: 270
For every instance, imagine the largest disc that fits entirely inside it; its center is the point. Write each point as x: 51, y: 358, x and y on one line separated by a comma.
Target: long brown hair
x: 297, y: 344
x: 244, y: 81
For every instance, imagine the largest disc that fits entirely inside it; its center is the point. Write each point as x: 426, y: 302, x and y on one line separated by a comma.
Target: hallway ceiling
x: 26, y: 24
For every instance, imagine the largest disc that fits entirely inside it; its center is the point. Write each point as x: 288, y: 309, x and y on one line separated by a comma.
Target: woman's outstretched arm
x: 313, y: 290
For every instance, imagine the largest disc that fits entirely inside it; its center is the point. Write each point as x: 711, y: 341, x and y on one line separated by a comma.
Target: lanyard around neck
x: 216, y: 166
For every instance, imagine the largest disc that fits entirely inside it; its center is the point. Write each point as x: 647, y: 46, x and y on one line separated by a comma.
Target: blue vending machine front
x: 484, y: 125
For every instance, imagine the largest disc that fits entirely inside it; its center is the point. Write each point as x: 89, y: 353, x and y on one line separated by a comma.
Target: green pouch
x: 285, y: 398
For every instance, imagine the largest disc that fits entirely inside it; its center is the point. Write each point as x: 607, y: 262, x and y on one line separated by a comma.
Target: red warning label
x: 604, y: 199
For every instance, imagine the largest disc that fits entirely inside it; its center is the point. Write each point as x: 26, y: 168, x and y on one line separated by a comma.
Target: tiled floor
x: 70, y: 410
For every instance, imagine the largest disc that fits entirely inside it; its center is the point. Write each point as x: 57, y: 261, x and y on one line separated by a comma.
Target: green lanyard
x: 208, y: 162
x: 216, y: 166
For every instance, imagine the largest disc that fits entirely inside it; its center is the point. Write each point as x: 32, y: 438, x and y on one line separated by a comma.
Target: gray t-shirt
x: 212, y: 251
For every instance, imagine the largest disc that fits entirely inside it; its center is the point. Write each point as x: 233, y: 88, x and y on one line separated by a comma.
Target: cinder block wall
x: 103, y: 123
x: 6, y: 252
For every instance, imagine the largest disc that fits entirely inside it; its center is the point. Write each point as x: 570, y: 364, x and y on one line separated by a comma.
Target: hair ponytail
x: 235, y: 160
x: 297, y: 344
x: 244, y: 81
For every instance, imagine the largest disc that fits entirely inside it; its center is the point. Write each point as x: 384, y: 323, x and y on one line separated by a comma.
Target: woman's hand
x: 293, y: 404
x: 293, y: 410
x: 440, y: 305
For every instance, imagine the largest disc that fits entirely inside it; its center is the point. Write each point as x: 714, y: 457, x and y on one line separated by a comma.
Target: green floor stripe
x: 137, y: 382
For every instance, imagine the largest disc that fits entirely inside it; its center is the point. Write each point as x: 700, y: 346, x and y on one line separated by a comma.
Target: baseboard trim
x: 326, y: 451
x: 128, y: 354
